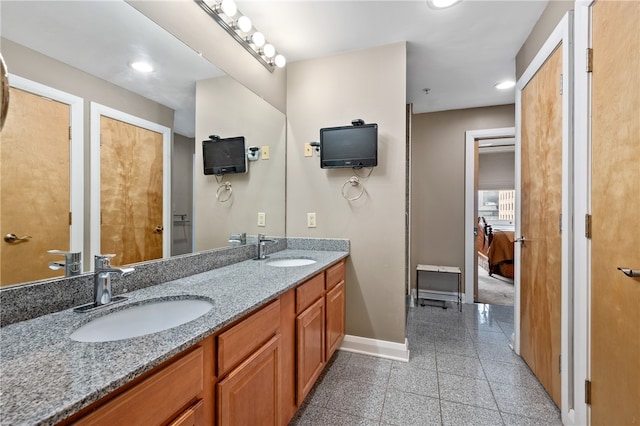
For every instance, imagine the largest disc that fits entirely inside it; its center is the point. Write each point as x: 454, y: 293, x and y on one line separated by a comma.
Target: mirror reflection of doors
x: 34, y: 193
x: 131, y: 192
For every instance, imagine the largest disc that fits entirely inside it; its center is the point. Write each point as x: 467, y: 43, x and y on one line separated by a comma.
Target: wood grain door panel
x: 615, y: 207
x: 541, y: 206
x: 34, y: 186
x: 130, y: 192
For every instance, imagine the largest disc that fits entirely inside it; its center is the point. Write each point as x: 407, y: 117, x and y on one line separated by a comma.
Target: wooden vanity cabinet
x: 335, y: 307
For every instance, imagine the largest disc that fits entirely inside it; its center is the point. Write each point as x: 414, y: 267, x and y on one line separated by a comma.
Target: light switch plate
x: 311, y: 220
x: 308, y: 150
x: 262, y: 219
x: 265, y: 152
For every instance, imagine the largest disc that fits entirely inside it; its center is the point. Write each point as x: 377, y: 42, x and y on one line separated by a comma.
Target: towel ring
x: 353, y: 181
x: 224, y: 187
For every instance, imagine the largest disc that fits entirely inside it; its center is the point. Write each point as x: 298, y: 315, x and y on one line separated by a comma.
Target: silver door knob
x: 522, y: 239
x: 13, y: 238
x: 632, y: 273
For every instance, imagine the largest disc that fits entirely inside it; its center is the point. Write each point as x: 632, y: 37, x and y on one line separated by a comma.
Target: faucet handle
x: 103, y: 260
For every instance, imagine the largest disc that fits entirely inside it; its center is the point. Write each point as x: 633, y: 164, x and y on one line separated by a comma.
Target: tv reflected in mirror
x: 224, y: 156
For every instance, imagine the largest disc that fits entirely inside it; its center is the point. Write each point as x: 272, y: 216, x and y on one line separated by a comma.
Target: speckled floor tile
x: 515, y: 420
x: 367, y: 369
x: 459, y: 365
x: 454, y: 414
x: 511, y: 374
x: 409, y: 378
x: 323, y: 389
x: 424, y: 358
x: 456, y: 347
x: 499, y: 353
x: 401, y: 408
x: 313, y: 416
x: 358, y: 399
x: 528, y: 402
x: 466, y: 390
x: 484, y: 336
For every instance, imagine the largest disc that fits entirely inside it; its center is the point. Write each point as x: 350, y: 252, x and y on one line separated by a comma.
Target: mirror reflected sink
x: 287, y: 263
x: 141, y: 320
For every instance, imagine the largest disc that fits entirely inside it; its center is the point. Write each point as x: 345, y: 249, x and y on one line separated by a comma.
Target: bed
x: 496, y: 249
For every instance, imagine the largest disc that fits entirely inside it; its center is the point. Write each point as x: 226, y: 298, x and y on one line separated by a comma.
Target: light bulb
x: 269, y: 50
x: 441, y: 4
x: 280, y: 61
x: 258, y: 39
x: 229, y: 8
x: 244, y: 24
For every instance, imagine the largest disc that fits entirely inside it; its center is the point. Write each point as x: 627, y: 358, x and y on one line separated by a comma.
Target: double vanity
x: 238, y: 344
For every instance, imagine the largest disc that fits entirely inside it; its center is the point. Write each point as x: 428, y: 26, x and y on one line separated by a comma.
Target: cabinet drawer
x: 157, y: 398
x: 309, y: 292
x: 237, y: 343
x: 193, y: 416
x: 335, y: 274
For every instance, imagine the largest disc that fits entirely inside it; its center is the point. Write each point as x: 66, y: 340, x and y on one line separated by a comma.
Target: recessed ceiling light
x: 504, y: 85
x: 442, y: 4
x: 142, y: 66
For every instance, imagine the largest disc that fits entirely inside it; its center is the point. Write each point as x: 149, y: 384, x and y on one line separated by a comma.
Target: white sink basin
x: 287, y: 263
x: 140, y: 320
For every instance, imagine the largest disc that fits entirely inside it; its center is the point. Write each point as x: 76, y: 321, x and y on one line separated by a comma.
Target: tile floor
x: 461, y: 372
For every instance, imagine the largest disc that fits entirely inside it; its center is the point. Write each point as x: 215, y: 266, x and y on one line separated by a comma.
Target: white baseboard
x: 377, y: 348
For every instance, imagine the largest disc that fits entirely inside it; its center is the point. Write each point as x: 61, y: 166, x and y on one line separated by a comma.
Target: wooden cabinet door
x: 310, y: 333
x: 335, y: 318
x: 541, y: 206
x: 615, y: 204
x: 250, y: 394
x: 193, y: 416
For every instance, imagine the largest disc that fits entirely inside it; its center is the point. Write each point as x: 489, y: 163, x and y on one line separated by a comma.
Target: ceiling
x: 458, y: 53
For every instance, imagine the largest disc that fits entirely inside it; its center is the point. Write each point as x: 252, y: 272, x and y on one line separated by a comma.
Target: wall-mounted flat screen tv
x: 224, y: 156
x: 349, y: 146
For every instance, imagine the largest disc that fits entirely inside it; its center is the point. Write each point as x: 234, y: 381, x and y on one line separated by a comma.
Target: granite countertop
x: 45, y: 376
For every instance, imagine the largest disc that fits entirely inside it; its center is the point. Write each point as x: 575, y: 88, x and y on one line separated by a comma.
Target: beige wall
x: 189, y: 23
x: 549, y: 19
x: 496, y: 170
x: 437, y: 181
x: 226, y: 108
x: 331, y: 91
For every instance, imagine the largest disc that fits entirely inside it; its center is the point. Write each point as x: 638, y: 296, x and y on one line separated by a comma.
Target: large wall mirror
x: 84, y: 49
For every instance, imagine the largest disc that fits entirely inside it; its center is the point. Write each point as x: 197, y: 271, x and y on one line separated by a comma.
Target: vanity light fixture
x: 142, y: 66
x: 239, y: 26
x: 504, y: 85
x: 442, y: 4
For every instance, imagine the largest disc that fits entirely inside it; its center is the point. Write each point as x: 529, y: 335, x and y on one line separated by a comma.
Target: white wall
x: 496, y: 170
x: 368, y: 84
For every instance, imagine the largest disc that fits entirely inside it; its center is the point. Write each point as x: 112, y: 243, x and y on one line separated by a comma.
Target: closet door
x: 541, y: 206
x: 615, y: 205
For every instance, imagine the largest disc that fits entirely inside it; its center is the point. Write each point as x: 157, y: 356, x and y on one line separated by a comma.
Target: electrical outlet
x: 308, y: 150
x: 265, y: 152
x: 262, y: 219
x: 311, y: 220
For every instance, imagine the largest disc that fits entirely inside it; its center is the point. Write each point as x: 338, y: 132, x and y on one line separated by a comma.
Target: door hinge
x: 587, y: 225
x: 70, y: 219
x: 589, y: 59
x: 560, y: 223
x: 559, y: 363
x: 587, y: 392
x: 561, y: 84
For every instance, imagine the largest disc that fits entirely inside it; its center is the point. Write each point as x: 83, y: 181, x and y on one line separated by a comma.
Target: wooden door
x: 310, y: 333
x: 34, y: 192
x: 541, y: 205
x: 249, y: 395
x: 130, y: 192
x: 615, y: 208
x: 335, y: 305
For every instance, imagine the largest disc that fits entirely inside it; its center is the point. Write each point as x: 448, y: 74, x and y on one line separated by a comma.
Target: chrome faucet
x: 262, y: 243
x: 102, y: 278
x: 71, y: 265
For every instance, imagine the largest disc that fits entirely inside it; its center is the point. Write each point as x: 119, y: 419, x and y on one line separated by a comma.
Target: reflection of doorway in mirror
x: 131, y: 191
x: 34, y: 194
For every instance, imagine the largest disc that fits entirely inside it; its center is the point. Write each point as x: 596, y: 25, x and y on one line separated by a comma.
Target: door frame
x: 76, y: 153
x: 98, y: 110
x: 471, y: 136
x: 563, y: 33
